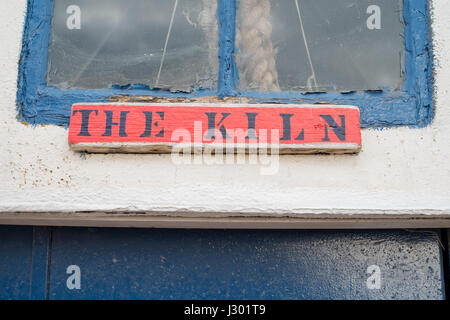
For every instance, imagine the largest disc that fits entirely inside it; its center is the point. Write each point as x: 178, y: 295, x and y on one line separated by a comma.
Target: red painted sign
x: 115, y: 127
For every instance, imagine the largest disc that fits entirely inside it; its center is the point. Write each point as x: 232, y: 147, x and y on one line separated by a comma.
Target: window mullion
x: 226, y: 14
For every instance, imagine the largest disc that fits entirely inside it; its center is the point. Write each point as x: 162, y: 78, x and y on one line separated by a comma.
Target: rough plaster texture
x: 400, y: 170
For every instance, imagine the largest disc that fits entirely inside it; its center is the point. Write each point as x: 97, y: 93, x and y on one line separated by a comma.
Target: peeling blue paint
x: 39, y: 103
x: 419, y: 58
x: 226, y: 15
x: 413, y: 106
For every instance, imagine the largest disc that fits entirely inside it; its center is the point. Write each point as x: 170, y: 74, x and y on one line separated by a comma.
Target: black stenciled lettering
x: 339, y: 130
x: 149, y: 124
x: 251, y: 135
x: 85, y: 114
x: 110, y: 123
x: 287, y: 128
x: 212, y: 126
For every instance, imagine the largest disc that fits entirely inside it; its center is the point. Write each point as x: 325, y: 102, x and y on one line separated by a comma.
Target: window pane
x: 320, y: 45
x: 97, y: 44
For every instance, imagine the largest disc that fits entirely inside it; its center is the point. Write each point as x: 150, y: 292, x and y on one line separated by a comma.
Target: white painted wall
x: 400, y: 170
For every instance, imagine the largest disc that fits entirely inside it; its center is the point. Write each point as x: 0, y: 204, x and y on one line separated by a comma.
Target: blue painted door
x: 16, y: 247
x: 219, y: 264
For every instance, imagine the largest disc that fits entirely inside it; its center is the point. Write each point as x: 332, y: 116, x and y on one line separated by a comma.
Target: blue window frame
x: 40, y: 103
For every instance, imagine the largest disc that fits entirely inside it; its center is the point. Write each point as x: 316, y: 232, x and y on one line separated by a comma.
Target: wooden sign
x: 158, y: 128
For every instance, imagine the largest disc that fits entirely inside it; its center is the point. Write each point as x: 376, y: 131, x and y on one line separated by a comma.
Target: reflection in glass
x: 163, y: 44
x: 320, y: 45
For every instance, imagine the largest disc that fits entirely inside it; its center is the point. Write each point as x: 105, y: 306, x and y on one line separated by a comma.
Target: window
x: 320, y: 45
x: 374, y: 54
x: 161, y: 44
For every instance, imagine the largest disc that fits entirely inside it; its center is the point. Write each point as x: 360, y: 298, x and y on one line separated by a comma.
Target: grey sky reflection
x: 346, y: 55
x: 122, y: 41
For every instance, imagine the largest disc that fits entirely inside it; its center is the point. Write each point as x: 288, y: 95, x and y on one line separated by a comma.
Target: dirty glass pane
x: 320, y: 45
x: 169, y: 44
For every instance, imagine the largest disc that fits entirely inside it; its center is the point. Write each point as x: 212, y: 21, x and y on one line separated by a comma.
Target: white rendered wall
x: 401, y: 171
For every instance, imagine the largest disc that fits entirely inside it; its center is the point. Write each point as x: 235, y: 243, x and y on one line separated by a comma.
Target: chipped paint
x: 38, y: 103
x: 401, y: 173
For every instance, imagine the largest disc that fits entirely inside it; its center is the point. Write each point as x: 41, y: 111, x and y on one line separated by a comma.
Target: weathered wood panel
x: 228, y: 128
